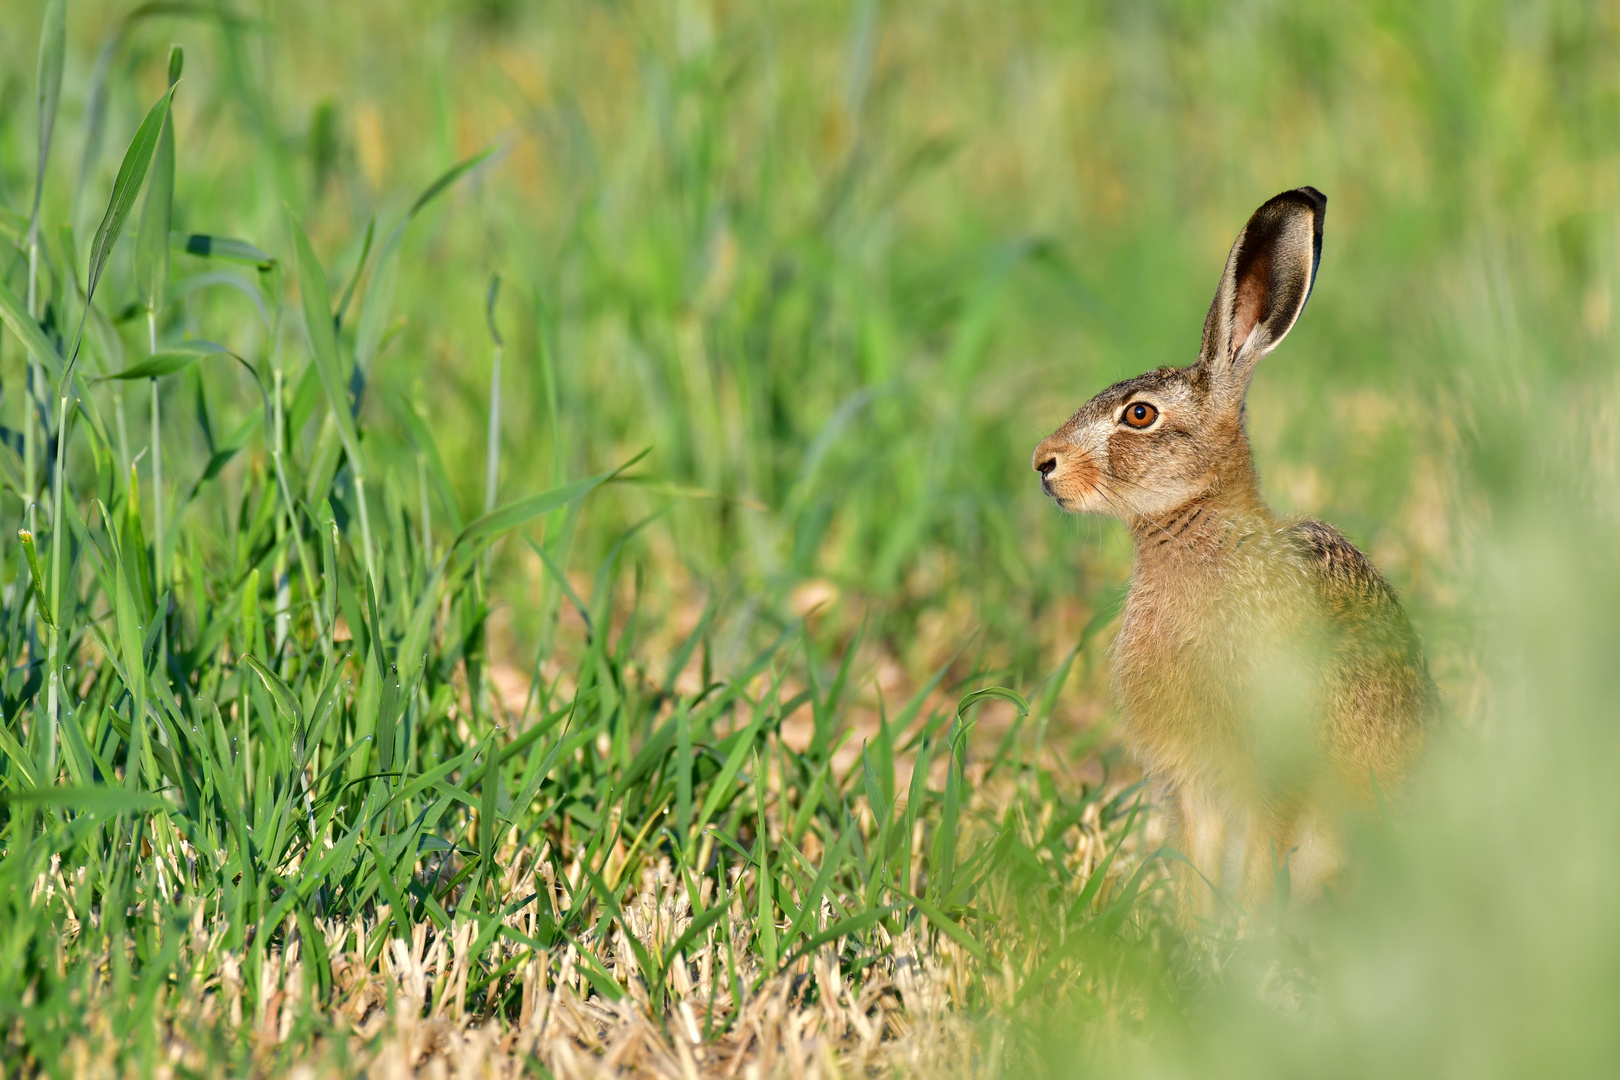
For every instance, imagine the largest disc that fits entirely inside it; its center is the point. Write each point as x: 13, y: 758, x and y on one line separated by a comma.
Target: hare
x: 1267, y: 676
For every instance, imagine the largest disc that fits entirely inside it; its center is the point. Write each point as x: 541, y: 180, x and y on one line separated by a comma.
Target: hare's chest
x: 1176, y: 645
x: 1210, y: 669
x: 1190, y: 661
x: 1174, y: 667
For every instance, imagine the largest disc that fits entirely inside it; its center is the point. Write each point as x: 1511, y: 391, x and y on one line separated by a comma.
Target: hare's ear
x: 1267, y: 281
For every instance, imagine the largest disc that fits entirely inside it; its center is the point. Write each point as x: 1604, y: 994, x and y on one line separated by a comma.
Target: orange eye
x: 1139, y: 414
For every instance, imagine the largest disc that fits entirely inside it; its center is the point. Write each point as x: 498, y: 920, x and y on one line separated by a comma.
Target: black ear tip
x: 1317, y: 200
x: 1300, y: 198
x: 1311, y: 199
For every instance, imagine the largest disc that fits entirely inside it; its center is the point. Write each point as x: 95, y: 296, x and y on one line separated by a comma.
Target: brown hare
x: 1268, y: 678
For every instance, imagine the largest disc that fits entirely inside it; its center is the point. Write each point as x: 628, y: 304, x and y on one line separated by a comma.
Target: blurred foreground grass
x: 330, y: 740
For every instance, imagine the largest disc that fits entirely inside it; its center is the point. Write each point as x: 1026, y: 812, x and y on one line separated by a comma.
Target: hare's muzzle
x: 1067, y: 472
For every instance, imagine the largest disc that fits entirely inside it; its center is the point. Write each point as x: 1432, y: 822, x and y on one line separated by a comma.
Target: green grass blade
x: 95, y: 799
x: 37, y: 577
x: 700, y: 925
x: 721, y: 787
x: 15, y: 315
x: 830, y: 863
x: 1094, y: 883
x: 354, y: 279
x: 131, y: 174
x: 379, y: 300
x: 168, y: 361
x: 767, y: 905
x: 52, y: 56
x: 323, y: 340
x: 128, y: 616
x: 531, y: 786
x: 683, y: 771
x: 400, y: 912
x: 223, y: 248
x: 484, y: 529
x: 23, y: 760
x: 280, y: 692
x: 947, y: 926
x: 1000, y: 693
x: 422, y: 440
x: 152, y: 234
x: 390, y: 698
x: 845, y: 927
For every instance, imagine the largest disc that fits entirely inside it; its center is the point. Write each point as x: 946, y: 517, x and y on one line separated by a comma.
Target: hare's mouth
x: 1070, y: 488
x: 1068, y: 472
x: 1066, y: 503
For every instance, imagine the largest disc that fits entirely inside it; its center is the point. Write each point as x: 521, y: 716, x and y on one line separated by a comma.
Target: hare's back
x: 1348, y: 580
x: 1381, y: 694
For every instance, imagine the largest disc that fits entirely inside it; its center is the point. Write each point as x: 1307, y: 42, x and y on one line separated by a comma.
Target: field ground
x: 517, y: 551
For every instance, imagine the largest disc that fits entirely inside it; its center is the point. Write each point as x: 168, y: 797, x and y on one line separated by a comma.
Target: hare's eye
x: 1139, y: 414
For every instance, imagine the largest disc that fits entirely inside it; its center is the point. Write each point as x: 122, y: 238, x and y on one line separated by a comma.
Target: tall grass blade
x: 152, y: 235
x: 17, y: 319
x: 41, y: 595
x: 323, y: 340
x: 354, y: 279
x: 376, y: 307
x: 131, y: 174
x: 52, y: 56
x: 485, y: 528
x: 171, y: 360
x: 492, y: 452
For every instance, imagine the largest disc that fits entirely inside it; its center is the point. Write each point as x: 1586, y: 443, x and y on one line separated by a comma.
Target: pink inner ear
x: 1253, y: 295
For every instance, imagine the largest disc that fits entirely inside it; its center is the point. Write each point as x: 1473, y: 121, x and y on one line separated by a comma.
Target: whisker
x: 1116, y: 501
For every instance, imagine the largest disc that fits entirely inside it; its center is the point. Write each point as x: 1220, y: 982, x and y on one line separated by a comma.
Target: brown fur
x: 1267, y: 674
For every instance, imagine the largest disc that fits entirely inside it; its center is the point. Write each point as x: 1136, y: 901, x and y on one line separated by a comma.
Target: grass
x: 702, y: 686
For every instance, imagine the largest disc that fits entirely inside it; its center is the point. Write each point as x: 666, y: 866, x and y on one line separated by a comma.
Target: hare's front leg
x: 1299, y: 845
x: 1268, y: 850
x: 1304, y: 845
x: 1198, y: 831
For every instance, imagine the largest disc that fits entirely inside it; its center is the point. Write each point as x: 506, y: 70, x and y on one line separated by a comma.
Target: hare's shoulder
x: 1348, y: 581
x: 1384, y: 694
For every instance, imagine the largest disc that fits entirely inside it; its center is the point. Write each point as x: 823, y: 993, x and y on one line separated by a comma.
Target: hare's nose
x: 1047, y: 455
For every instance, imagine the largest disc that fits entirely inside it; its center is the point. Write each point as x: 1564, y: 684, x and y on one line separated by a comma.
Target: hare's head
x: 1145, y: 446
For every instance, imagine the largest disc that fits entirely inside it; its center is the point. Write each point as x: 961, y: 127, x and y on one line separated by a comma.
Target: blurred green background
x: 841, y: 265
x: 848, y: 263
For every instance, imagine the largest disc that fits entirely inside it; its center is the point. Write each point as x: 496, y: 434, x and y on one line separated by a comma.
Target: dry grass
x: 906, y: 1004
